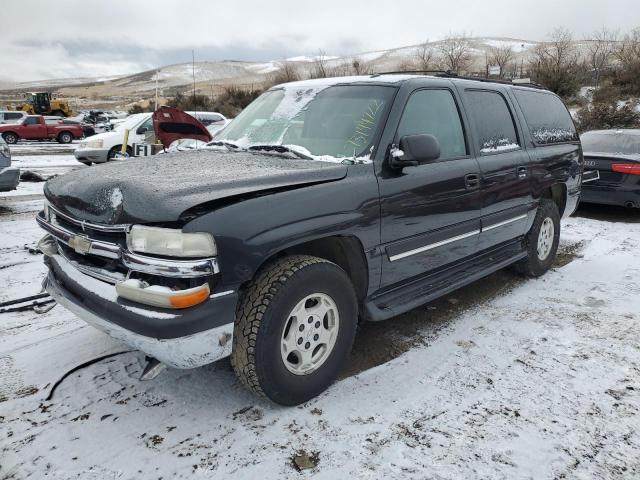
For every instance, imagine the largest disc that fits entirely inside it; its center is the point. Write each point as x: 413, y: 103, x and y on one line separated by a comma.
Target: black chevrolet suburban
x: 324, y: 203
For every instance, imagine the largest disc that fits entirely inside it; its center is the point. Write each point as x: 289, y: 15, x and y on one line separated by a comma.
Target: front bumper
x: 182, y: 339
x: 95, y: 155
x: 9, y: 178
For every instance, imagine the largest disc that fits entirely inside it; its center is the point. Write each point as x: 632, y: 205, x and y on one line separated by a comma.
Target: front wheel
x: 294, y: 329
x: 10, y: 138
x: 542, y: 240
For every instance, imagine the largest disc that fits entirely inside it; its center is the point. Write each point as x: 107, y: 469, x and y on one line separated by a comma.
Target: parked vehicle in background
x: 615, y: 154
x: 9, y: 176
x: 324, y: 202
x: 34, y: 127
x: 10, y: 116
x: 87, y: 129
x: 105, y: 146
x: 171, y: 124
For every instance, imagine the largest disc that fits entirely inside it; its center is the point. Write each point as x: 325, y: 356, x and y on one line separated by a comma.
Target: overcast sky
x: 57, y: 39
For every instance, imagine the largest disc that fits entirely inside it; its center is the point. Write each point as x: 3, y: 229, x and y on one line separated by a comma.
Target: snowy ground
x: 535, y: 379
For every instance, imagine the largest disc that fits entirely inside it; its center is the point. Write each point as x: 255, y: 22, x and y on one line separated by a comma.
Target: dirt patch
x: 379, y: 342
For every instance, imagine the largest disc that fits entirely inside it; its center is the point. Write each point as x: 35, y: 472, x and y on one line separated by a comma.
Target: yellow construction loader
x: 41, y: 103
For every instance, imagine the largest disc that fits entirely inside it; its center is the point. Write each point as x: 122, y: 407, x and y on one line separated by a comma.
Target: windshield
x: 621, y: 143
x: 320, y: 121
x: 131, y: 121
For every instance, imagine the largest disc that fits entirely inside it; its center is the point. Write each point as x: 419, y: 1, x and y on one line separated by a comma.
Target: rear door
x: 429, y: 213
x: 504, y: 166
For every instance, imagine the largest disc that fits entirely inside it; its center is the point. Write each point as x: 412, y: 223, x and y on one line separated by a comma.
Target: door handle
x: 522, y: 172
x: 471, y: 181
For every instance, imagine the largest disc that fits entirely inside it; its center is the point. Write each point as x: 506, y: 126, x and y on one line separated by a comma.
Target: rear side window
x: 434, y: 112
x: 548, y: 119
x: 12, y: 116
x: 493, y: 122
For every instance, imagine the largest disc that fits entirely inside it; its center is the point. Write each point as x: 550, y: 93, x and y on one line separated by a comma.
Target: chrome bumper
x: 135, y: 262
x: 188, y: 351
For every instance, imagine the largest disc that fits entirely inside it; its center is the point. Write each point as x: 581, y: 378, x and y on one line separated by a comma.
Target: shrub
x: 608, y: 115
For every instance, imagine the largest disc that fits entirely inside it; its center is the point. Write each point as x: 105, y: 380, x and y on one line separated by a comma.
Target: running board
x: 406, y: 297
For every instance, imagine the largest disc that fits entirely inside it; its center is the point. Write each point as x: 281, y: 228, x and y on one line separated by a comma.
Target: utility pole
x: 156, y: 105
x: 193, y: 68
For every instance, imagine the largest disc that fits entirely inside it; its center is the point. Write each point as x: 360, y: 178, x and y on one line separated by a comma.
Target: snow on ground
x: 540, y: 381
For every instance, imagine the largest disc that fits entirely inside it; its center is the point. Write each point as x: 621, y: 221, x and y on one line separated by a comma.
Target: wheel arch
x: 346, y: 251
x: 558, y: 193
x: 12, y: 133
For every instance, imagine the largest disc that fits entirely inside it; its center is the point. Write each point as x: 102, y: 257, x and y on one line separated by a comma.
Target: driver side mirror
x: 414, y: 150
x: 141, y: 130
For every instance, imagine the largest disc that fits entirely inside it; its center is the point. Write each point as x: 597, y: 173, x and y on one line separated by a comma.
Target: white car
x: 12, y: 116
x: 105, y: 146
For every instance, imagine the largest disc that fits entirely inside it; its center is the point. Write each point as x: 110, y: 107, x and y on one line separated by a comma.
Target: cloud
x: 118, y: 37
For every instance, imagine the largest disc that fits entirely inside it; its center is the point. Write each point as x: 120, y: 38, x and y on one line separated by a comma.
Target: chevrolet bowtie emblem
x: 80, y: 244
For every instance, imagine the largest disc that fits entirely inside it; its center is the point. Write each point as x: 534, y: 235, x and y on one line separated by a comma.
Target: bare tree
x: 555, y: 63
x: 287, y: 72
x: 501, y: 56
x: 601, y: 49
x: 320, y: 66
x: 360, y: 67
x: 628, y: 52
x: 425, y: 56
x: 455, y: 53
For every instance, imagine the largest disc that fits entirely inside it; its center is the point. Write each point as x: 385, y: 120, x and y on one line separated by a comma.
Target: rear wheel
x: 10, y: 138
x: 542, y: 240
x: 65, y: 137
x: 294, y: 329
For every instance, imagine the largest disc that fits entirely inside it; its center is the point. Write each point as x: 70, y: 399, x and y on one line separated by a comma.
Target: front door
x: 33, y: 129
x: 504, y: 167
x: 431, y: 212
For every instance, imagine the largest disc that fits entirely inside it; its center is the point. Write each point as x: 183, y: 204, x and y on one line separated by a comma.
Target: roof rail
x: 449, y: 74
x: 442, y: 73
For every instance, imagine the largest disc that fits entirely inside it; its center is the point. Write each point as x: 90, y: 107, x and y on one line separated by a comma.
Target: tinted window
x: 611, y: 142
x: 435, y: 112
x: 31, y: 121
x: 493, y: 121
x: 548, y: 119
x: 12, y: 116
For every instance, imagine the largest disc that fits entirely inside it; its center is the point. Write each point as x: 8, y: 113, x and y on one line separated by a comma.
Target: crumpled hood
x: 160, y: 188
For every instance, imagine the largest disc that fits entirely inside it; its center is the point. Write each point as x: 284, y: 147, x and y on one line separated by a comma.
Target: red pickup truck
x: 34, y: 127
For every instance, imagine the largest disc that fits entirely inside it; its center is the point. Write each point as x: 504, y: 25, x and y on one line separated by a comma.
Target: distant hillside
x: 211, y: 76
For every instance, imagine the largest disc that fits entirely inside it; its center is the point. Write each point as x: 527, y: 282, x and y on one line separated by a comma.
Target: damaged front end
x: 156, y: 289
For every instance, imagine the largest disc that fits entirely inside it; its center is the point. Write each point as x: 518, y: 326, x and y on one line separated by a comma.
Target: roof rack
x: 450, y: 74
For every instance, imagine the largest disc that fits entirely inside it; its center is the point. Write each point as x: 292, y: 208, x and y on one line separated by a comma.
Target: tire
x: 65, y: 137
x: 538, y: 261
x: 265, y: 314
x: 115, y: 150
x: 85, y: 163
x: 10, y: 138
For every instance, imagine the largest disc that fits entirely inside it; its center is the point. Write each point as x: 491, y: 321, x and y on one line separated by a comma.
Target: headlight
x: 97, y: 143
x: 170, y: 242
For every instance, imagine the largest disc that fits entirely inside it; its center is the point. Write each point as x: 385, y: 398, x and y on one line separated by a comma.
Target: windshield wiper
x: 232, y: 147
x: 280, y: 149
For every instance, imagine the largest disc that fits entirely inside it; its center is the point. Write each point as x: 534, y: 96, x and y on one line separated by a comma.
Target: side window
x: 435, y: 112
x: 31, y: 121
x: 12, y: 116
x: 493, y: 121
x: 146, y: 125
x: 548, y: 119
